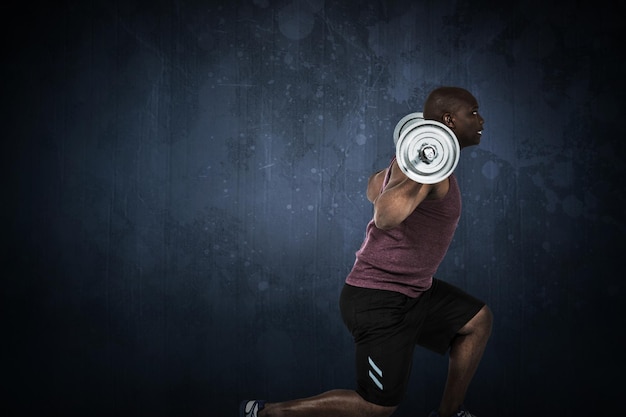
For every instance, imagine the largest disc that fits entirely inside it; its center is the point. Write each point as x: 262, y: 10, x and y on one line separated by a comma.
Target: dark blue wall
x: 184, y: 193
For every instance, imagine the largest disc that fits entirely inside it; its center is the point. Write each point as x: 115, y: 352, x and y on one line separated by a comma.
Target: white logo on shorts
x: 378, y: 371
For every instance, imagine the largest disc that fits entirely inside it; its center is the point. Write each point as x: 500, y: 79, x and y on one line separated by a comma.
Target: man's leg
x: 336, y: 403
x: 466, y: 351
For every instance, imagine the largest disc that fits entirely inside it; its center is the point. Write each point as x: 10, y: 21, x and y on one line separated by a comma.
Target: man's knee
x: 480, y: 323
x: 485, y: 320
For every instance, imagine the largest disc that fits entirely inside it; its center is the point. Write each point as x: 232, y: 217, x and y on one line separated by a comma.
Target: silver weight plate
x: 405, y: 123
x: 427, y: 151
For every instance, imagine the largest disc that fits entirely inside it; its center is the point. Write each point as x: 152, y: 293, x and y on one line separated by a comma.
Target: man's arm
x: 399, y: 199
x: 375, y: 184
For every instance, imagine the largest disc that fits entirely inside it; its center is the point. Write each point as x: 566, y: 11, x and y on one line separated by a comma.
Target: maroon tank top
x: 405, y: 258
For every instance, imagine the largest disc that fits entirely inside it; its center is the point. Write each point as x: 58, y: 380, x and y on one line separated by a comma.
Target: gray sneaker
x: 251, y: 408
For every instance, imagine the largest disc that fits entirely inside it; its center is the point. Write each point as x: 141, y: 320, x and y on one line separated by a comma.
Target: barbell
x: 427, y: 151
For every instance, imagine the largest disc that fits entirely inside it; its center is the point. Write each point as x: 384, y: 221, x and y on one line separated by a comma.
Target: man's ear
x: 448, y: 120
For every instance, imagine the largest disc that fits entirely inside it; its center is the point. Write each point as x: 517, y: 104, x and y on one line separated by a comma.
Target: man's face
x: 468, y: 124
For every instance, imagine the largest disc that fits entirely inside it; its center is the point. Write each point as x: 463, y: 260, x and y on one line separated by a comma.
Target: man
x: 391, y: 302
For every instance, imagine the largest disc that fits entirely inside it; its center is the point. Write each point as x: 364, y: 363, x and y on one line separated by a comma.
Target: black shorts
x: 387, y: 325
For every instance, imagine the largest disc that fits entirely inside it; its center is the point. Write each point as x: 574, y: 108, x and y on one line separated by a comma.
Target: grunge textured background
x: 184, y: 191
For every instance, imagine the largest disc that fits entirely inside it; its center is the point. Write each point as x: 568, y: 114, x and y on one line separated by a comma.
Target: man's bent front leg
x: 466, y: 352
